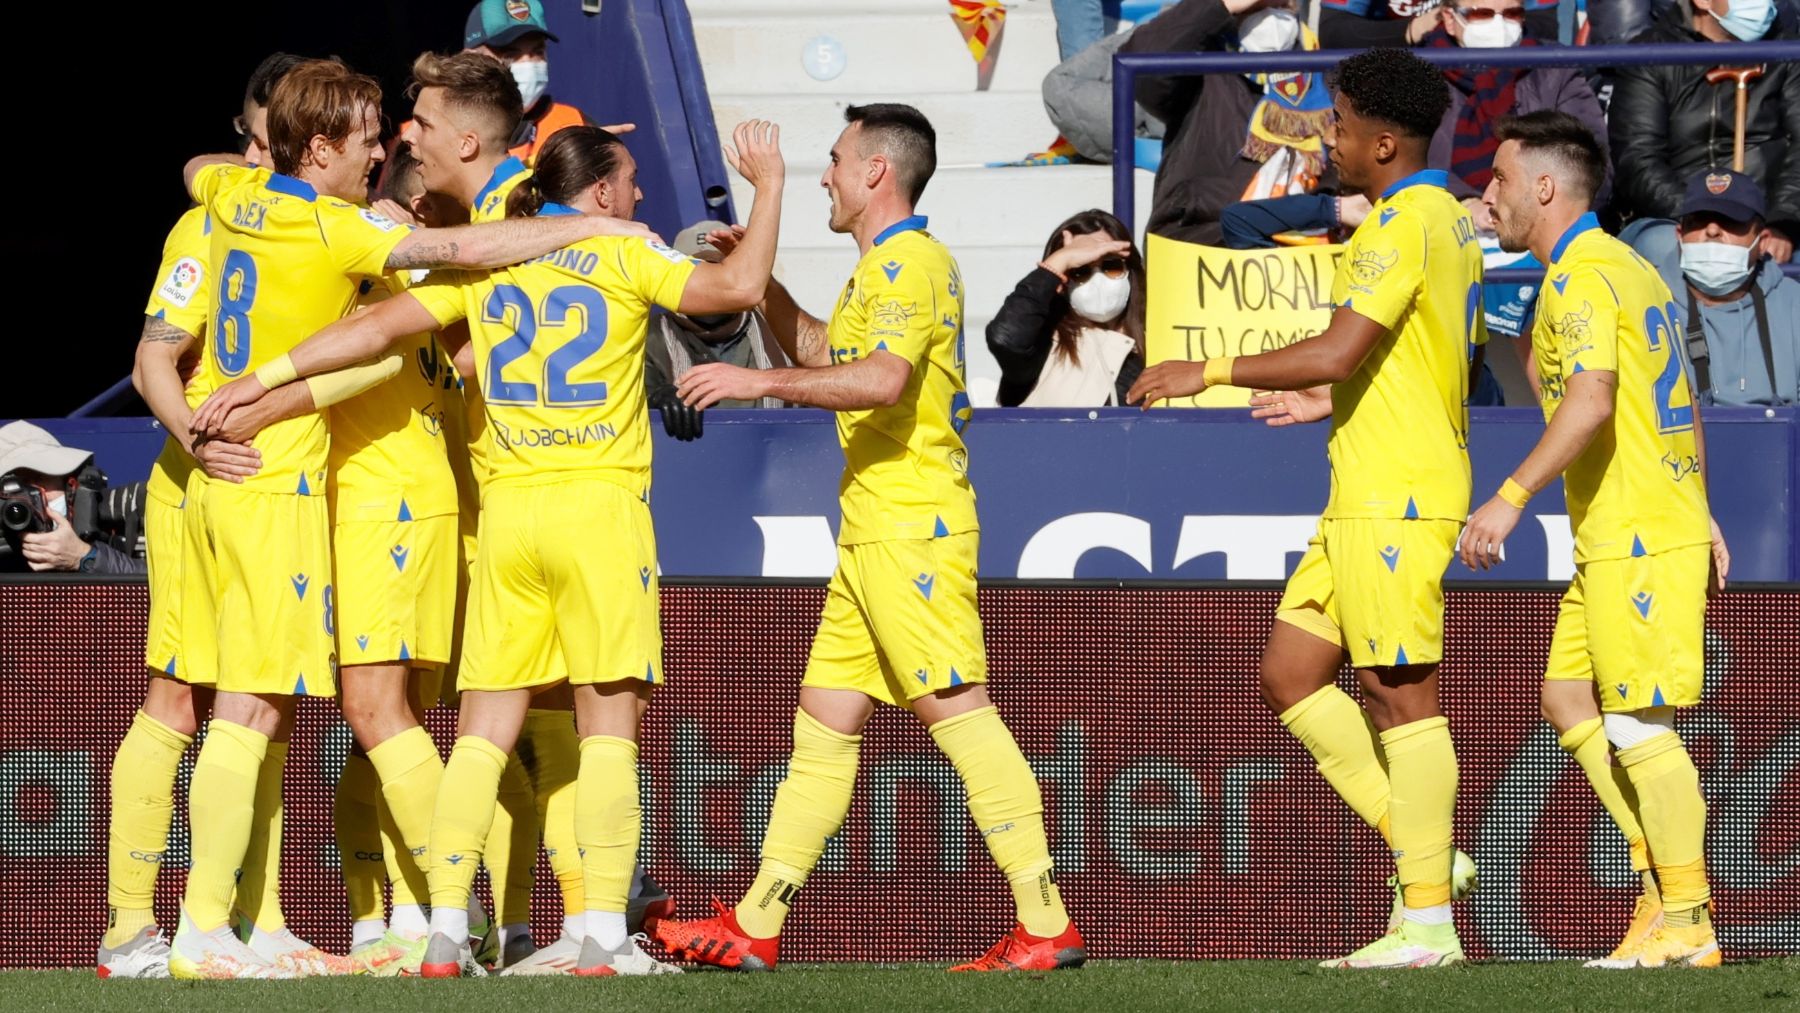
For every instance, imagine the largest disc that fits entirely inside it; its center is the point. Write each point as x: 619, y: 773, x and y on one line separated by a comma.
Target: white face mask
x: 1494, y: 33
x: 1101, y: 299
x: 1715, y: 268
x: 1748, y: 20
x: 533, y: 77
x: 58, y: 506
x: 1268, y: 31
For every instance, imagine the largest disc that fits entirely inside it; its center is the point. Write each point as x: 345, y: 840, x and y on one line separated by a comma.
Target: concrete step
x: 973, y: 128
x: 901, y: 50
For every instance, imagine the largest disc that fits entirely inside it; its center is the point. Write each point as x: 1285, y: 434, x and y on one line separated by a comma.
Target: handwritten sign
x: 1206, y: 301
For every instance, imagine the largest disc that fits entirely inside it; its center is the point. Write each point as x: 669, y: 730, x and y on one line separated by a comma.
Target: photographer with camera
x: 55, y: 510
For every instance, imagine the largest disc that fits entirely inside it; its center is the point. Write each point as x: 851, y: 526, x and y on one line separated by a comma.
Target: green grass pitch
x: 1109, y: 986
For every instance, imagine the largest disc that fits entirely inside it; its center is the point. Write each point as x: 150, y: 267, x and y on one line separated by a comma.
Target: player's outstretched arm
x: 804, y: 337
x: 738, y: 281
x: 876, y: 381
x: 199, y: 162
x: 351, y: 340
x: 1587, y: 406
x: 1322, y: 359
x: 498, y: 244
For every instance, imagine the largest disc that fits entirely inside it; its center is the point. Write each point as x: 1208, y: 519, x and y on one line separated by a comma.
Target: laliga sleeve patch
x: 183, y: 281
x: 672, y: 256
x: 381, y: 222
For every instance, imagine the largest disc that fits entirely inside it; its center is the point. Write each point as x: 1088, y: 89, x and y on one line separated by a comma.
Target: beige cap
x: 692, y: 241
x: 23, y: 445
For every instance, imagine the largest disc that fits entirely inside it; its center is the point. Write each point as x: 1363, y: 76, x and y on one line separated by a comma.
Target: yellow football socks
x: 1674, y: 817
x: 555, y: 763
x: 410, y: 772
x: 221, y: 809
x: 1586, y: 742
x: 143, y: 784
x: 259, y: 888
x: 1422, y: 772
x: 405, y: 869
x: 1346, y: 751
x: 1008, y: 810
x: 358, y: 829
x: 607, y: 821
x: 809, y: 807
x: 465, y: 812
x: 511, y: 851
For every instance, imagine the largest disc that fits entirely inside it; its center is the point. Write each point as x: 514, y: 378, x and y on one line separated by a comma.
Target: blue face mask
x: 1748, y: 20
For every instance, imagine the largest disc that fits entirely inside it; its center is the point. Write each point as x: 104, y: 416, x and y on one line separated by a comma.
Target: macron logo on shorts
x: 300, y: 581
x: 1391, y: 556
x: 923, y: 582
x: 398, y: 554
x: 1642, y: 600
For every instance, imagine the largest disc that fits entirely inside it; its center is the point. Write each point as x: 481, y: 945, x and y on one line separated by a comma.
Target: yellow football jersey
x: 559, y: 353
x: 1636, y: 489
x: 1400, y: 424
x: 183, y: 297
x: 389, y: 459
x: 905, y: 467
x: 288, y: 262
x: 490, y: 203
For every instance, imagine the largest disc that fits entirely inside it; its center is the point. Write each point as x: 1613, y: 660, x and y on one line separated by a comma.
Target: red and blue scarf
x: 1487, y: 95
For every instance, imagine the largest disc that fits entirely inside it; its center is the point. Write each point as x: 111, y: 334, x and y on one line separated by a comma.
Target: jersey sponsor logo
x: 380, y: 221
x: 506, y: 437
x: 183, y: 281
x: 1681, y: 465
x: 1368, y: 267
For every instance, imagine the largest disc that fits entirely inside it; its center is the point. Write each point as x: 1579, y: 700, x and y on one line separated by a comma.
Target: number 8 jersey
x: 1636, y: 489
x: 559, y: 356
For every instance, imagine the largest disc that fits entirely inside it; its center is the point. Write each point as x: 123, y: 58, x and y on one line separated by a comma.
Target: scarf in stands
x: 980, y: 22
x: 1487, y: 96
x: 1291, y: 116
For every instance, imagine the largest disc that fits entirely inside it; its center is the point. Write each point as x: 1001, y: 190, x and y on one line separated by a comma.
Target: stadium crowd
x: 357, y: 407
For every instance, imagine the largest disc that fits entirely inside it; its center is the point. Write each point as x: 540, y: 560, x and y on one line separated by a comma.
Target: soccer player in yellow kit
x: 1396, y: 356
x: 1624, y: 433
x: 900, y: 625
x: 290, y: 252
x: 168, y: 376
x: 567, y: 556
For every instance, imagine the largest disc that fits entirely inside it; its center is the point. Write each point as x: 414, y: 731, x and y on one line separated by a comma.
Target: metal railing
x: 1127, y: 67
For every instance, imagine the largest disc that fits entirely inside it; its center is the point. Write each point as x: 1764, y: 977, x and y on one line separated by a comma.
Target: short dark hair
x: 905, y: 136
x: 402, y: 181
x: 1395, y: 87
x: 473, y: 83
x: 1568, y: 142
x: 266, y: 75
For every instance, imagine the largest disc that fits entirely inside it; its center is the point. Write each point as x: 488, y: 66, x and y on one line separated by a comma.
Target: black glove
x: 679, y: 420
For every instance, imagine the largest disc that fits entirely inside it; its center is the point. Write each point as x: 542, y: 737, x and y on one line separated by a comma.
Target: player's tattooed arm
x: 156, y: 372
x: 801, y: 335
x: 497, y: 244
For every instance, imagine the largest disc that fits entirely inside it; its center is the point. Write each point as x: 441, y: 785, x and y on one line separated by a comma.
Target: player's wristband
x: 276, y: 372
x: 1514, y: 493
x: 1218, y: 371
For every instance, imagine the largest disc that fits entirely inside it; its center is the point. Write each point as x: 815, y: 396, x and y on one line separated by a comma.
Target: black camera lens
x: 16, y: 516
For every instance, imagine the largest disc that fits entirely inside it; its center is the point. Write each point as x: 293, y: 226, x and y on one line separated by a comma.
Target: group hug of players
x: 410, y: 461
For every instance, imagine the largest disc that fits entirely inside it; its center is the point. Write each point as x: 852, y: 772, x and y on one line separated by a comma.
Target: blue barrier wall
x: 1112, y: 493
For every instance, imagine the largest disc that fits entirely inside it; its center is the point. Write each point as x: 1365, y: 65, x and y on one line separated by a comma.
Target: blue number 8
x: 231, y: 325
x: 1659, y: 324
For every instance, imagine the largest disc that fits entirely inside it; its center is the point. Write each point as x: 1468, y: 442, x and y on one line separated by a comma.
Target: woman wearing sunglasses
x: 1071, y: 334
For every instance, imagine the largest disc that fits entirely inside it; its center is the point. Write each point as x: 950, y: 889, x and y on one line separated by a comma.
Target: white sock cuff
x: 1437, y: 914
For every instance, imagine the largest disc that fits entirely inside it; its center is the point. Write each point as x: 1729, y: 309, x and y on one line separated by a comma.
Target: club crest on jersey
x: 1717, y: 183
x: 1572, y: 328
x: 183, y: 281
x: 890, y: 317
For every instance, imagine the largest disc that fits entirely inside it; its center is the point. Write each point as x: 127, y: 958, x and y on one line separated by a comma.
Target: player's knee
x: 1626, y: 729
x: 171, y: 703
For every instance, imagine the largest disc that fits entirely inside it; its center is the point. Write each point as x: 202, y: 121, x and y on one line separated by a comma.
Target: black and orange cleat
x: 1019, y: 950
x: 718, y: 941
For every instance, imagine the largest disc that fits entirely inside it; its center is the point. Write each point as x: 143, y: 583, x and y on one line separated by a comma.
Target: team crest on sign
x: 1717, y: 183
x: 518, y: 10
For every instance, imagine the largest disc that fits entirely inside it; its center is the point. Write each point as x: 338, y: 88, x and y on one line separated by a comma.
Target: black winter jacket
x: 1022, y: 333
x: 1667, y: 124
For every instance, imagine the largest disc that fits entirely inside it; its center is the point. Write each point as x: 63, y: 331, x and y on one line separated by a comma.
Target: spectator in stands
x: 1611, y: 22
x: 1071, y: 334
x: 34, y: 466
x: 1081, y: 23
x: 1361, y: 24
x: 514, y: 32
x: 1747, y: 349
x: 1230, y: 137
x: 1670, y: 123
x: 677, y: 342
x: 1078, y: 99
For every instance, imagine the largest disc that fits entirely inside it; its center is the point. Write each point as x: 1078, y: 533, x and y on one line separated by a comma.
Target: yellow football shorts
x: 900, y: 620
x: 266, y: 559
x: 195, y: 610
x: 1374, y: 587
x: 563, y: 568
x: 1635, y: 627
x: 164, y: 532
x: 396, y: 589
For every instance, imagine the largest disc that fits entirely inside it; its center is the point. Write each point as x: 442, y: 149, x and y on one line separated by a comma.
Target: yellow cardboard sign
x: 1207, y: 301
